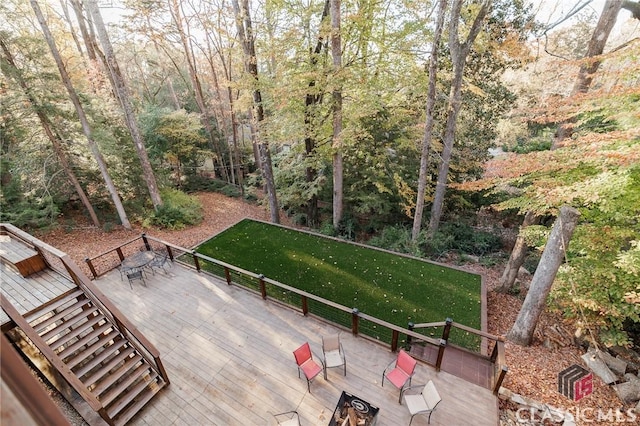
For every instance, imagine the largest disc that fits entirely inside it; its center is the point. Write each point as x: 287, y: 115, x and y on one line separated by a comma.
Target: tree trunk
x: 88, y: 41
x: 459, y: 53
x: 67, y: 17
x: 428, y: 130
x: 86, y: 128
x: 197, y: 87
x: 55, y: 139
x: 245, y: 33
x: 338, y: 169
x: 552, y: 257
x: 311, y: 100
x: 590, y: 66
x: 122, y: 93
x: 518, y: 254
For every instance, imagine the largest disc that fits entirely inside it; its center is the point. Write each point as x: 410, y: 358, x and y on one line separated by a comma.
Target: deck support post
x: 263, y: 287
x: 91, y: 268
x: 443, y: 344
x: 146, y: 242
x: 354, y: 321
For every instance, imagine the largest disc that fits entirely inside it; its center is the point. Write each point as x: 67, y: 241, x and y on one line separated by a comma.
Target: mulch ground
x: 532, y: 372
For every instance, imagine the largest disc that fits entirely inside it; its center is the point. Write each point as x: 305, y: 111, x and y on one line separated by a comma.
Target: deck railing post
x: 146, y: 242
x: 305, y: 305
x: 120, y: 254
x: 494, y: 353
x: 227, y: 275
x: 394, y: 340
x: 91, y: 268
x: 263, y: 287
x: 407, y: 346
x: 170, y: 252
x: 354, y: 321
x: 196, y: 260
x: 447, y: 329
x: 498, y: 383
x: 443, y: 344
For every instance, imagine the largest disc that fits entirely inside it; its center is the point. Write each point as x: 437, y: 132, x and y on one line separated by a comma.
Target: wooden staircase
x: 80, y: 339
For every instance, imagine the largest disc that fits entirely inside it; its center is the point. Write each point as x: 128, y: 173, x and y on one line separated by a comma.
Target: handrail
x: 51, y: 356
x: 30, y: 239
x: 460, y: 327
x: 119, y: 319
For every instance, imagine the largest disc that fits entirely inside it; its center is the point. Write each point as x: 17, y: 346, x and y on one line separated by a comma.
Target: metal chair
x: 135, y: 274
x: 305, y: 362
x: 403, y: 370
x: 423, y: 403
x: 333, y: 353
x: 288, y: 418
x: 159, y: 260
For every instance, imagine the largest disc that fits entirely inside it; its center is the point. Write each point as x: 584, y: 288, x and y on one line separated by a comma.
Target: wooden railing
x: 497, y: 357
x: 62, y: 263
x: 359, y: 323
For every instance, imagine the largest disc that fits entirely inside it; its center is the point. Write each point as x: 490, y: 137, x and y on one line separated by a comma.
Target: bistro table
x: 138, y: 260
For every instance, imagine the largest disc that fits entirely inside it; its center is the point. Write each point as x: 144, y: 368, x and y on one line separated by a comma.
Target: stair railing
x: 51, y: 356
x: 150, y: 352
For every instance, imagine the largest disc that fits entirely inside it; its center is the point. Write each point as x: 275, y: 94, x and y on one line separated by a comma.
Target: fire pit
x: 353, y: 411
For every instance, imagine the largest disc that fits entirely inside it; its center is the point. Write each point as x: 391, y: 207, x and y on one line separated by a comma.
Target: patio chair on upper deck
x: 400, y: 375
x: 423, y: 403
x: 333, y: 353
x: 305, y: 362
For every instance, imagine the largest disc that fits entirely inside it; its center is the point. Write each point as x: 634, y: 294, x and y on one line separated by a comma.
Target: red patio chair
x: 401, y: 373
x: 305, y: 362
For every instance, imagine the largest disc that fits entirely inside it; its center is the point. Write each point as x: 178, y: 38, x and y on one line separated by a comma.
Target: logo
x: 575, y: 382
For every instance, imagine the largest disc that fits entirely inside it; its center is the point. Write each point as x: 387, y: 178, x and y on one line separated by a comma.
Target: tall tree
x: 312, y: 99
x: 518, y: 254
x: 122, y: 93
x: 591, y: 62
x: 53, y: 136
x: 86, y: 128
x: 245, y: 34
x: 197, y: 85
x: 338, y: 167
x: 429, y: 120
x: 552, y: 257
x: 459, y: 52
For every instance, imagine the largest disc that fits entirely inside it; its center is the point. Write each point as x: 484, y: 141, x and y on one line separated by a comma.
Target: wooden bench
x: 26, y: 260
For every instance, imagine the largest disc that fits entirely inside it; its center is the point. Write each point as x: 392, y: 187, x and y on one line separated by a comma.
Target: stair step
x: 42, y: 325
x: 111, y: 377
x: 76, y: 332
x: 89, y: 350
x: 119, y: 390
x: 68, y: 323
x: 133, y: 409
x: 64, y: 298
x: 84, y: 340
x: 97, y: 359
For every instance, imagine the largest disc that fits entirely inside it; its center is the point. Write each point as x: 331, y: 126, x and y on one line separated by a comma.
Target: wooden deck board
x: 28, y: 293
x: 229, y: 356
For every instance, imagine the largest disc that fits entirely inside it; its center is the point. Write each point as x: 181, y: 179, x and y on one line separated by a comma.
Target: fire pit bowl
x: 360, y: 410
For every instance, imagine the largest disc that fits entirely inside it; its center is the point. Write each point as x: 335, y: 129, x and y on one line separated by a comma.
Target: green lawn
x: 394, y: 288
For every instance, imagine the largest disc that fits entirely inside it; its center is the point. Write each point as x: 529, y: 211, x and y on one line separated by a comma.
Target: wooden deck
x: 228, y: 354
x: 28, y: 293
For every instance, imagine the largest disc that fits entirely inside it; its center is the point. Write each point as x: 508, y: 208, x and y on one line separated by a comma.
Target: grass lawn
x: 394, y: 288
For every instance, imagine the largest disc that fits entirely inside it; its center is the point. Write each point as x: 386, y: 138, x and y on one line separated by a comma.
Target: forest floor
x: 532, y: 372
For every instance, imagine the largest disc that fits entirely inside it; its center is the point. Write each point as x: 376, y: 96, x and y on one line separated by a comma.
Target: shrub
x: 178, y: 211
x: 396, y: 238
x: 463, y: 239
